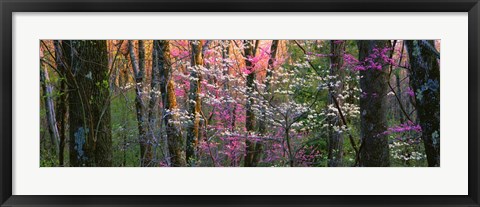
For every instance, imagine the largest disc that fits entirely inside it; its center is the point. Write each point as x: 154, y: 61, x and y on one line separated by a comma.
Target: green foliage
x: 124, y: 130
x: 124, y: 125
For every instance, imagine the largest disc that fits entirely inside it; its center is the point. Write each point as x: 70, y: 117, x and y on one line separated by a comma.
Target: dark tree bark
x: 335, y: 140
x: 425, y: 81
x: 176, y: 145
x: 62, y: 100
x: 89, y: 103
x: 194, y: 103
x: 374, y: 151
x: 399, y: 111
x: 250, y: 116
x: 146, y: 152
x: 157, y: 90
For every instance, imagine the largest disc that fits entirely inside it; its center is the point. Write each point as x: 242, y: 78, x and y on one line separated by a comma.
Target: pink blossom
x: 405, y: 127
x: 410, y: 92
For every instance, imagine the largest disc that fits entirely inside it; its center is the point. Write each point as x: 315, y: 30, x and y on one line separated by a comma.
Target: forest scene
x: 239, y: 103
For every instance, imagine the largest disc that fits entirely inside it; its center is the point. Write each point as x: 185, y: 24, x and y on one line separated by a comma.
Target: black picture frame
x: 7, y: 7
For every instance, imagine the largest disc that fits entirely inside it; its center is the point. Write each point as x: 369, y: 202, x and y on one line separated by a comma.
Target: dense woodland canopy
x: 240, y: 103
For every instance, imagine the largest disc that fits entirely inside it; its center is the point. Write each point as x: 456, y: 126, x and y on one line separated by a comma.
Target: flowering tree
x: 373, y: 66
x: 247, y: 103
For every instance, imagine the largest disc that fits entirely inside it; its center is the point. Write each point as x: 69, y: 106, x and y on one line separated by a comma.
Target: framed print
x: 199, y: 103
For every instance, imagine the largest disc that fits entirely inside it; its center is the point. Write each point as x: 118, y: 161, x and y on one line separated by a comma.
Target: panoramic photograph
x: 239, y: 103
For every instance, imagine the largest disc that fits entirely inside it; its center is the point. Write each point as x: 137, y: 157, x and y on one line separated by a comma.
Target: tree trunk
x: 250, y: 116
x: 375, y: 151
x: 194, y: 103
x: 425, y: 81
x: 176, y: 146
x: 335, y: 140
x: 291, y: 157
x: 61, y: 111
x: 146, y: 154
x: 232, y: 107
x: 399, y: 94
x: 89, y: 103
x: 149, y: 139
x: 50, y: 110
